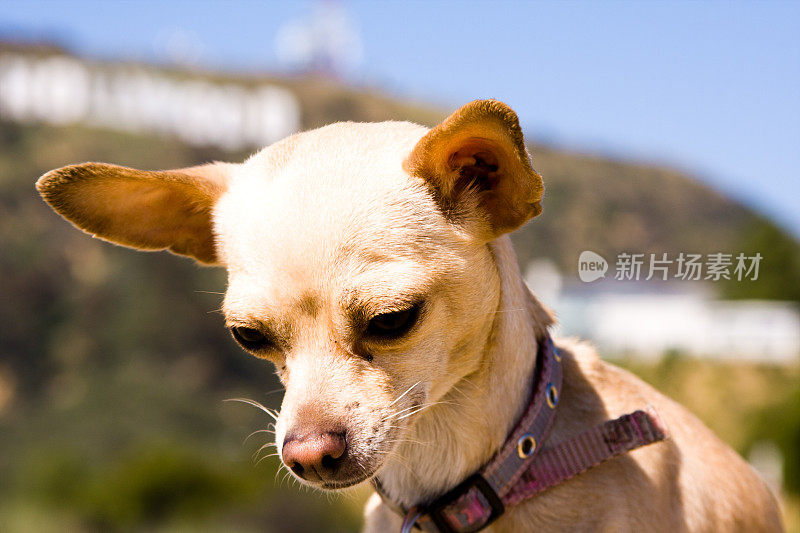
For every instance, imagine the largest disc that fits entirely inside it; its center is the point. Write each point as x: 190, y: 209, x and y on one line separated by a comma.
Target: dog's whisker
x: 288, y: 474
x: 257, y: 432
x: 397, y: 413
x: 265, y: 446
x: 266, y: 457
x: 404, y: 413
x: 278, y: 471
x: 361, y: 467
x: 406, y: 440
x: 426, y: 406
x: 406, y: 392
x: 254, y: 403
x: 412, y: 407
x: 414, y: 412
x: 475, y: 403
x: 268, y: 444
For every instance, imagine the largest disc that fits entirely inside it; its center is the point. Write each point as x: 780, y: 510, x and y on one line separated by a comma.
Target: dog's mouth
x: 364, y: 458
x: 353, y: 456
x: 348, y: 474
x: 359, y: 465
x: 345, y: 484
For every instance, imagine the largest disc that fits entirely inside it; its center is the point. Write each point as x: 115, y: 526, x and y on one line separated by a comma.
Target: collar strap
x: 523, y: 467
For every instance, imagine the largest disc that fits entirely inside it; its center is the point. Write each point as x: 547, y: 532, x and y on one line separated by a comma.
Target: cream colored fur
x: 330, y: 227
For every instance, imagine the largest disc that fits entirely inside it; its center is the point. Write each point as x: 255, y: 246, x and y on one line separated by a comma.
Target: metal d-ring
x: 411, y: 519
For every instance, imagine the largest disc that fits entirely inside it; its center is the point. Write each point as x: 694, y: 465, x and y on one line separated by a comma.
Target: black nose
x: 316, y: 455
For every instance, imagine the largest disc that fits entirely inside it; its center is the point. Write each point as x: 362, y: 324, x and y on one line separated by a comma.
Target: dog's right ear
x: 146, y: 210
x: 476, y: 163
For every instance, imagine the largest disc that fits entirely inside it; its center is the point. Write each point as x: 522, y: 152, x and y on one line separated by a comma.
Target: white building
x: 61, y: 90
x: 649, y: 319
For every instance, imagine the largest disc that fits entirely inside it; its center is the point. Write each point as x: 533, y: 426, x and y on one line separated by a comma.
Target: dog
x: 371, y: 264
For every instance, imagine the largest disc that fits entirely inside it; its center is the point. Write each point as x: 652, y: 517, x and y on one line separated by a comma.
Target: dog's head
x: 357, y: 259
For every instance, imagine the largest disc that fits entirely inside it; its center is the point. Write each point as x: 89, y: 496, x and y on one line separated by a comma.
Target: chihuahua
x: 371, y: 264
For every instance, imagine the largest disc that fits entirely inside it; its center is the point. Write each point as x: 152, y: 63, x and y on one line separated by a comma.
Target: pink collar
x: 524, y: 467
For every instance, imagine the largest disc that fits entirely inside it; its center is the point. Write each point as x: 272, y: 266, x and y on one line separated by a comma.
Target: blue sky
x: 709, y: 87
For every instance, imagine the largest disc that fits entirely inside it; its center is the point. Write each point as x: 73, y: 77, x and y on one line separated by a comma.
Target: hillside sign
x: 61, y: 90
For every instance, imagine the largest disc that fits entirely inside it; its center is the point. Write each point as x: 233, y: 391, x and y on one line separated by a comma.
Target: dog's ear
x: 142, y: 209
x: 476, y: 159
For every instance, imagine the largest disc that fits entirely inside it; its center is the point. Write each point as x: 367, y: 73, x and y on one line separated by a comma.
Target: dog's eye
x: 251, y: 338
x: 393, y: 325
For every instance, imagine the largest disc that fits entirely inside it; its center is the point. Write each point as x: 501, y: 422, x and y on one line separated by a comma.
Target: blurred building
x: 60, y: 89
x: 650, y: 319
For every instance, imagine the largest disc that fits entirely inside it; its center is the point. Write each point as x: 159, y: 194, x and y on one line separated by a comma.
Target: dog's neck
x: 454, y: 438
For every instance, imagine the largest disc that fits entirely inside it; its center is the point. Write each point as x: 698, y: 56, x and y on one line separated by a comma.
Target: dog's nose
x: 316, y: 455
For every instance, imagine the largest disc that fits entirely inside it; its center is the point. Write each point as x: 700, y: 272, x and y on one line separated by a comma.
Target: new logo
x: 591, y: 266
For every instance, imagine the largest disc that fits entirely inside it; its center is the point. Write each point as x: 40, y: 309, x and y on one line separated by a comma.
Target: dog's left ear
x: 476, y: 159
x: 146, y: 210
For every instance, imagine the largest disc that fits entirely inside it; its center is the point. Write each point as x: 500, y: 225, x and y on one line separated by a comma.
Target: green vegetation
x: 137, y: 448
x: 779, y: 275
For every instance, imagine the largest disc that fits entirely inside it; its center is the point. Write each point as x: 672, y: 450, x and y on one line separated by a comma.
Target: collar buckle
x: 480, y: 507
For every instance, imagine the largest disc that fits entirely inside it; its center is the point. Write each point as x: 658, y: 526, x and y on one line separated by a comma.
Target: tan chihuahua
x: 370, y: 263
